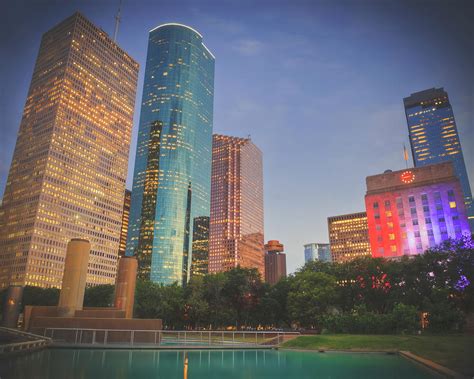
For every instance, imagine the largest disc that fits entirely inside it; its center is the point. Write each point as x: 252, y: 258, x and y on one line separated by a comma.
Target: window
x: 413, y: 211
x: 451, y: 194
x: 393, y: 248
x: 376, y: 205
x: 390, y: 224
x: 411, y: 199
x: 415, y: 222
x: 378, y: 227
x: 424, y: 198
x: 388, y: 213
x: 430, y: 232
x: 417, y: 234
x: 391, y: 236
x: 387, y: 204
x: 426, y: 208
x: 452, y: 204
x: 441, y: 219
x: 427, y: 220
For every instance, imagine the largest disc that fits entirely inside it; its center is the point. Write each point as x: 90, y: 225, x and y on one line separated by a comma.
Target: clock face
x: 407, y: 177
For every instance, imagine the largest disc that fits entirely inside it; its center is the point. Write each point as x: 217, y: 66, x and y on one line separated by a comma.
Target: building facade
x: 411, y: 210
x: 434, y: 136
x: 125, y: 219
x: 275, y: 262
x: 69, y: 166
x: 236, y: 229
x: 172, y: 175
x: 349, y: 236
x: 200, y: 258
x: 317, y: 251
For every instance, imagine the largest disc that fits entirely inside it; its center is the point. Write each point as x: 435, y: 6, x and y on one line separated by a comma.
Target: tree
x: 310, y: 296
x: 99, y: 296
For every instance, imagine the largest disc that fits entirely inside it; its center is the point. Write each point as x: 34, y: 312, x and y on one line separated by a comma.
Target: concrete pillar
x: 73, y: 286
x: 125, y: 285
x: 11, y: 306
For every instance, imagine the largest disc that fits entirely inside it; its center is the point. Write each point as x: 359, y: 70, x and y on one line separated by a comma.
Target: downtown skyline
x: 323, y: 152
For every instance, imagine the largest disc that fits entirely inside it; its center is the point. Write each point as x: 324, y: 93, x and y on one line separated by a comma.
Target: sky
x: 318, y: 85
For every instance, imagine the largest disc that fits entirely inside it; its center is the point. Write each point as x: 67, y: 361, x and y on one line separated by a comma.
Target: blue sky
x: 317, y: 84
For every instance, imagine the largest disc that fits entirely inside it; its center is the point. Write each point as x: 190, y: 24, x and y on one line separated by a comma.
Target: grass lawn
x: 453, y: 351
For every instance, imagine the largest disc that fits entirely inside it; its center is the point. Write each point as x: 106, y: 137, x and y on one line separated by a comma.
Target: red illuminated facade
x: 409, y: 211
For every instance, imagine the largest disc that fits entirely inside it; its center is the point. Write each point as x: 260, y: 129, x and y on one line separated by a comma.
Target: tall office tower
x: 349, y: 236
x: 275, y: 262
x: 317, y: 252
x: 172, y: 177
x: 236, y: 231
x: 200, y: 258
x: 67, y: 176
x: 412, y: 210
x: 125, y: 220
x: 434, y: 136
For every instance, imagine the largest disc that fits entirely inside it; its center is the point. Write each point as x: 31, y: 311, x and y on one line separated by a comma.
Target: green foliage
x: 99, y: 296
x: 310, y: 295
x: 40, y: 296
x: 365, y: 295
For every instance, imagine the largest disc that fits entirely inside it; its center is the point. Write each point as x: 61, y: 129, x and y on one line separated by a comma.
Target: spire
x: 117, y: 21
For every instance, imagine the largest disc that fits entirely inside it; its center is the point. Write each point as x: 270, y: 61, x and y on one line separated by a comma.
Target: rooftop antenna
x: 117, y: 21
x: 405, y: 155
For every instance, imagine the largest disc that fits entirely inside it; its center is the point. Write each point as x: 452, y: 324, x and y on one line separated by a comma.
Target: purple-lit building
x: 409, y: 211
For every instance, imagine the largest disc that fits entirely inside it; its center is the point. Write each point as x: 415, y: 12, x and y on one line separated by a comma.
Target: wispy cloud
x: 248, y: 47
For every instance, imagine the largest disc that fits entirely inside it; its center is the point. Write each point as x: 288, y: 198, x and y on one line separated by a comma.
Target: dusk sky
x: 318, y: 85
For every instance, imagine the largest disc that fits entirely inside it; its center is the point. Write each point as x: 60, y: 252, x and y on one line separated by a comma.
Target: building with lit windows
x: 317, y: 252
x: 275, y: 262
x: 236, y: 230
x: 348, y: 236
x: 200, y: 258
x: 411, y: 210
x: 172, y: 175
x: 69, y: 166
x: 434, y: 136
x: 125, y: 219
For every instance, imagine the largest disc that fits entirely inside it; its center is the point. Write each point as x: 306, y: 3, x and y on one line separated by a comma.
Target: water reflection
x: 208, y: 364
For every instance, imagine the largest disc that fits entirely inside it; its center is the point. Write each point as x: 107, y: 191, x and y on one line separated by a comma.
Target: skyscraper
x: 434, y: 136
x: 236, y: 231
x: 67, y: 176
x: 125, y: 219
x: 172, y: 176
x: 275, y: 262
x: 200, y: 258
x: 411, y: 210
x: 317, y: 251
x: 349, y: 236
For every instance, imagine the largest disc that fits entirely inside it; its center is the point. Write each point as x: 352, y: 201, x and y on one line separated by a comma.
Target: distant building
x: 348, y: 236
x: 434, y: 136
x: 236, y: 230
x: 317, y: 251
x: 68, y: 172
x: 200, y: 258
x: 414, y: 209
x: 172, y: 174
x: 275, y: 262
x: 125, y: 218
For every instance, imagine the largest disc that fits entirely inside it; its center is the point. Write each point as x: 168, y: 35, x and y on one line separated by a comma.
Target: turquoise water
x: 208, y: 364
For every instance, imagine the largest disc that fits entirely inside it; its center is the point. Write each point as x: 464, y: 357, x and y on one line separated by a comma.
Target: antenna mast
x: 117, y: 21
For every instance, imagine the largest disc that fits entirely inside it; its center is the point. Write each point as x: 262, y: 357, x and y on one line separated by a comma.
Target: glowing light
x: 407, y: 177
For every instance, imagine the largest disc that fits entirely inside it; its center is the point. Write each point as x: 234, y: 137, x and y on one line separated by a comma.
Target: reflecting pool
x: 208, y: 364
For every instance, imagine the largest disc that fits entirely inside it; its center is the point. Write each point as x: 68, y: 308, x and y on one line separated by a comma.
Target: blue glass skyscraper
x: 172, y: 175
x: 434, y: 136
